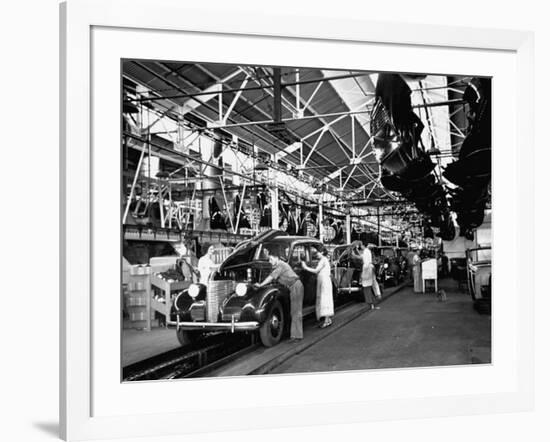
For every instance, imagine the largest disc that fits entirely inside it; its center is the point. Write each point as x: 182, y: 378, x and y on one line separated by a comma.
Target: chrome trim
x: 230, y: 326
x: 349, y: 289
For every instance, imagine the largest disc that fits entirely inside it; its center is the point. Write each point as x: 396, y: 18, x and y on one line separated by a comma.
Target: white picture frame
x: 84, y: 389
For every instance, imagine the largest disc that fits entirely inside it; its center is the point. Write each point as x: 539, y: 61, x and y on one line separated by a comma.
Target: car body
x: 479, y: 276
x: 346, y: 267
x: 389, y: 264
x: 231, y: 303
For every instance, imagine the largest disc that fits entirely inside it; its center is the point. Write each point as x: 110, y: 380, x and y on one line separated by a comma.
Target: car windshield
x: 278, y: 249
x: 388, y: 253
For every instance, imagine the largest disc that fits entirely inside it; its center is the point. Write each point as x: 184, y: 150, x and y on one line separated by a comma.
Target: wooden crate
x: 137, y: 297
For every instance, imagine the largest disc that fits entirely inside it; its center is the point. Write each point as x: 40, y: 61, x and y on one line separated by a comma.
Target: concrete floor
x: 409, y: 330
x: 138, y: 345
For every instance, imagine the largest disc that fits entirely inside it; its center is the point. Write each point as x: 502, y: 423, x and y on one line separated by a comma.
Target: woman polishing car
x: 324, y: 306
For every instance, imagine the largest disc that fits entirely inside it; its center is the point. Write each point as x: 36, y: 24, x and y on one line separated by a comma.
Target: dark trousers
x: 296, y: 301
x: 368, y: 293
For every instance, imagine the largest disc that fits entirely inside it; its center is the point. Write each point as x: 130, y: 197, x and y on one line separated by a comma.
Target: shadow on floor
x: 50, y: 428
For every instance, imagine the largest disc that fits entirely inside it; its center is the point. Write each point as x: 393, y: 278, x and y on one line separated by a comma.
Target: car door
x: 309, y: 279
x: 298, y: 254
x: 343, y: 271
x: 310, y: 293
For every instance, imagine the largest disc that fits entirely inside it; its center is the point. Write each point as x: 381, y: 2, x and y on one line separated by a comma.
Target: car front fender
x: 254, y: 305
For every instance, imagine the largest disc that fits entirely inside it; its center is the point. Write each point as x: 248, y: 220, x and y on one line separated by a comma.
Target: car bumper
x: 219, y: 326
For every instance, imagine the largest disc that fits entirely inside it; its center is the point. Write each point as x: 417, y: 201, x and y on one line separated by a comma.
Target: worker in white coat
x: 417, y: 272
x: 207, y: 265
x: 371, y: 289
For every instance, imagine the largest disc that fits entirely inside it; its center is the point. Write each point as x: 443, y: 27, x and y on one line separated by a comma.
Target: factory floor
x: 409, y: 330
x: 138, y: 345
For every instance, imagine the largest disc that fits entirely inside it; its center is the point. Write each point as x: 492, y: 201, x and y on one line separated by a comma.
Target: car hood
x: 241, y: 254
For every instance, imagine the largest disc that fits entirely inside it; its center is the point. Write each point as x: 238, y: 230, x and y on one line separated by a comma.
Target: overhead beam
x: 185, y: 81
x: 207, y: 94
x: 248, y: 88
x: 288, y: 150
x: 277, y: 112
x: 343, y: 142
x: 333, y: 175
x: 264, y: 112
x: 313, y: 149
x: 234, y: 101
x: 207, y: 105
x: 340, y: 116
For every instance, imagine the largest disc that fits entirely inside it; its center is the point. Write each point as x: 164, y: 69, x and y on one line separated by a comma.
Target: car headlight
x: 241, y: 289
x: 386, y: 265
x: 193, y: 290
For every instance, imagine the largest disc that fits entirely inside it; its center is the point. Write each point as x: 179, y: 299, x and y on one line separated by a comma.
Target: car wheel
x: 271, y: 329
x: 186, y: 337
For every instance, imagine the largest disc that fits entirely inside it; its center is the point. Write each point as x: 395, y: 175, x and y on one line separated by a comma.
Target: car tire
x: 271, y: 330
x: 186, y: 337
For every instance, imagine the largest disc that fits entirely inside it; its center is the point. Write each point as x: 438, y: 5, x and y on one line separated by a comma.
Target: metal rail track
x: 198, y: 359
x: 182, y: 362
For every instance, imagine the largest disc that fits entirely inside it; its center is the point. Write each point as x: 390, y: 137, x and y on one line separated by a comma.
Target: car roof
x: 290, y: 239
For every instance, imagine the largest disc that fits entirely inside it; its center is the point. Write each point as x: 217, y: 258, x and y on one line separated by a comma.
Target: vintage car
x: 346, y: 268
x: 390, y: 268
x: 231, y: 303
x: 479, y: 277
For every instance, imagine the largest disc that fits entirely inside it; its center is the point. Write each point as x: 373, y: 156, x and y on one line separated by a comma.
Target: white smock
x: 324, y: 305
x: 367, y: 274
x: 205, y: 266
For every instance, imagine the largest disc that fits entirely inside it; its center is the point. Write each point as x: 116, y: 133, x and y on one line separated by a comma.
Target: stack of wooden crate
x: 137, y: 297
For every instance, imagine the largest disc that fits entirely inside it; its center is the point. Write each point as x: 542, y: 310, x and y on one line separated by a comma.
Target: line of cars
x: 229, y: 302
x: 390, y: 265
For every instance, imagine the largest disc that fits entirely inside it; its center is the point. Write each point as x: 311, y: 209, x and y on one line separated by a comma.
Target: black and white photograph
x: 287, y: 219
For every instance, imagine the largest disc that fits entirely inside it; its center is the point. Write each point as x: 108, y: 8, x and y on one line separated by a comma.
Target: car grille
x: 198, y: 312
x: 216, y: 292
x: 226, y: 317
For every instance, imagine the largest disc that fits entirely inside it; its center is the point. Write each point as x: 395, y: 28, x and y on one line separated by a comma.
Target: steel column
x: 321, y: 218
